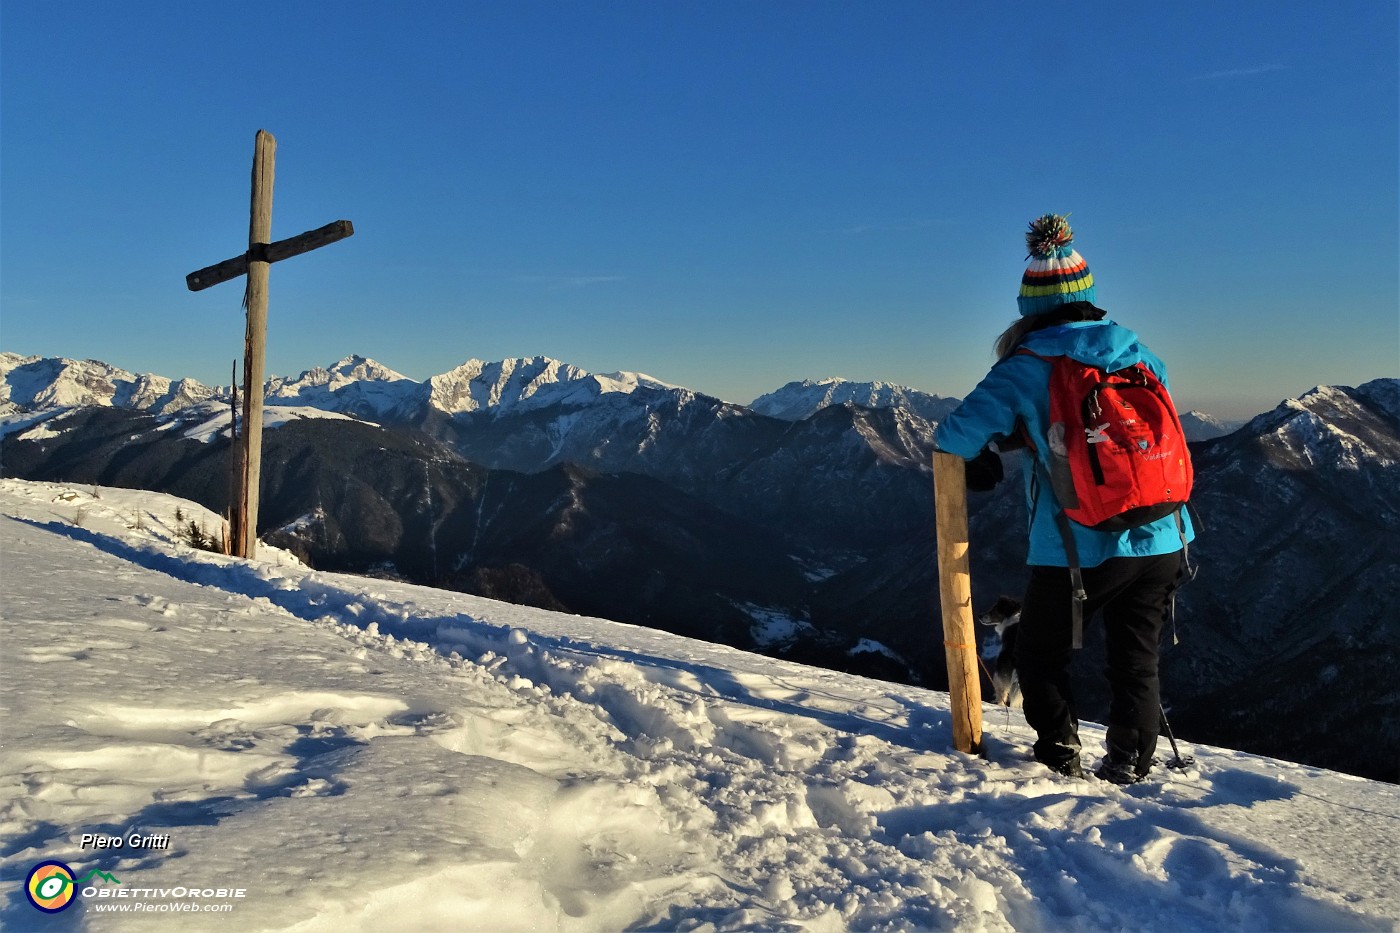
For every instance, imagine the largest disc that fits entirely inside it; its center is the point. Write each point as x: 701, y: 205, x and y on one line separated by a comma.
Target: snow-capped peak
x: 1340, y: 426
x: 520, y: 384
x: 351, y: 369
x: 623, y: 381
x: 1200, y: 426
x: 356, y: 385
x: 356, y: 367
x: 799, y: 400
x: 477, y: 384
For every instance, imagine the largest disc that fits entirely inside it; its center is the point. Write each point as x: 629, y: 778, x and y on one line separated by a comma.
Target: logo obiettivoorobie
x: 51, y: 886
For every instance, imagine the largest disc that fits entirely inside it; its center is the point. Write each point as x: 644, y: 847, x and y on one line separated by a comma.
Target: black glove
x: 984, y: 471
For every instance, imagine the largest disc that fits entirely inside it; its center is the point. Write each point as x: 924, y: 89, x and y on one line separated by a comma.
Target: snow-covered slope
x: 798, y: 400
x: 363, y: 755
x: 203, y: 421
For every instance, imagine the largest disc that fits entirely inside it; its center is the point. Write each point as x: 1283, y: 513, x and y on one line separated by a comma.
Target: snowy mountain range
x: 529, y: 415
x: 31, y: 383
x: 354, y: 386
x: 367, y: 389
x: 623, y: 497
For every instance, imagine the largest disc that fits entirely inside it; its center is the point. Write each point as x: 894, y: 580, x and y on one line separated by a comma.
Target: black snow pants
x: 1134, y: 596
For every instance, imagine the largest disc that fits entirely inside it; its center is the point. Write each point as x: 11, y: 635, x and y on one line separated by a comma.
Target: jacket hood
x: 1098, y: 343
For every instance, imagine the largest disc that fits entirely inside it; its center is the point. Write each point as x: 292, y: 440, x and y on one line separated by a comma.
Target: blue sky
x: 725, y: 195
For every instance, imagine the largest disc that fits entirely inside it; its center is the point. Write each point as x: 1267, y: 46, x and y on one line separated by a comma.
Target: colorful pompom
x: 1048, y: 236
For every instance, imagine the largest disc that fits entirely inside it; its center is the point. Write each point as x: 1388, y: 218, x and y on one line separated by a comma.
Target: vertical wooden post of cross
x: 255, y: 338
x: 955, y: 590
x: 255, y: 263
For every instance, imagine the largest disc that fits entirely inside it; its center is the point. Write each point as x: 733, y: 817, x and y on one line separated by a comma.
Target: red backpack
x: 1117, y: 453
x: 1118, y: 458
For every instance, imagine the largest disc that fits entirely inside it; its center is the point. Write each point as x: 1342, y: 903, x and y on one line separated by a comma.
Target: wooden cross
x: 254, y: 264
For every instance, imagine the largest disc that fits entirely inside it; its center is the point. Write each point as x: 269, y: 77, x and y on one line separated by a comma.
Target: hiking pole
x: 1177, y: 763
x: 955, y: 591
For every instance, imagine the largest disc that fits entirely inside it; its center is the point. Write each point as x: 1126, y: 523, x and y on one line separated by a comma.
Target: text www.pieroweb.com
x: 163, y: 900
x: 169, y: 907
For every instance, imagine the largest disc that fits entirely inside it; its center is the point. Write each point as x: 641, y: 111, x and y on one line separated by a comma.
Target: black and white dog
x: 999, y: 650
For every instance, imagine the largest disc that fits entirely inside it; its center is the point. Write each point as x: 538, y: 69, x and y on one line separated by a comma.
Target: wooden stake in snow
x: 235, y: 467
x: 254, y: 264
x: 955, y: 590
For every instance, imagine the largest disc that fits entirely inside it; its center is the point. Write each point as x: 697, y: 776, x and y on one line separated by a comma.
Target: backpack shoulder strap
x: 1078, y: 595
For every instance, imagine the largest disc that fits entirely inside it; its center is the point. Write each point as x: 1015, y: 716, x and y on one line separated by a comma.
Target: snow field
x: 360, y: 754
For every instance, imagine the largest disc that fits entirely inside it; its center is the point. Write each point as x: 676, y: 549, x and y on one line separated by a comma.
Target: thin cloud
x: 890, y: 226
x: 1238, y: 73
x: 583, y: 281
x: 560, y: 282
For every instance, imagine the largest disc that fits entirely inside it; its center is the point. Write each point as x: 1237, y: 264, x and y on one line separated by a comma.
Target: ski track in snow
x: 360, y: 754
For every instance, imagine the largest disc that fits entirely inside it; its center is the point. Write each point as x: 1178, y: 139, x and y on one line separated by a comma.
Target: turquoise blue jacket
x: 1017, y: 388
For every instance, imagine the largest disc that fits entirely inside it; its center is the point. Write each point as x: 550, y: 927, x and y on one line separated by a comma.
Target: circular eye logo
x: 50, y: 887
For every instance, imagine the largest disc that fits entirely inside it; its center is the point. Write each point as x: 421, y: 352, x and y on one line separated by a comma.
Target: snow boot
x: 1061, y: 757
x: 1129, y: 755
x: 1118, y: 772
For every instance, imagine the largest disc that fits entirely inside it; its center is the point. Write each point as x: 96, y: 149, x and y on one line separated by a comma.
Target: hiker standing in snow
x: 1125, y: 566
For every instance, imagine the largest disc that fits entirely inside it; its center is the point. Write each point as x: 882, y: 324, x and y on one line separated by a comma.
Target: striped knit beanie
x: 1057, y: 274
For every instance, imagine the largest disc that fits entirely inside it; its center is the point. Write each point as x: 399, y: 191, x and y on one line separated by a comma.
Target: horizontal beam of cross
x: 269, y: 252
